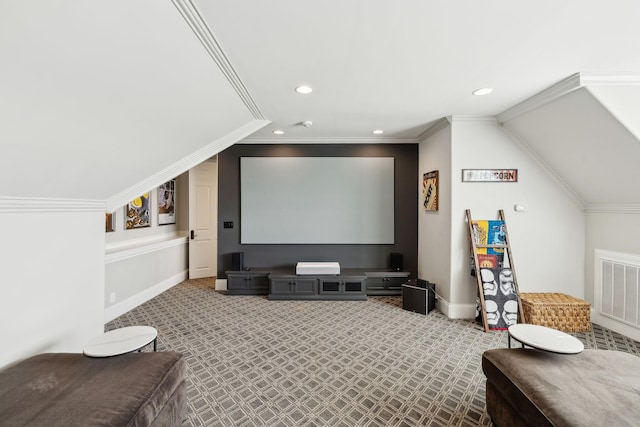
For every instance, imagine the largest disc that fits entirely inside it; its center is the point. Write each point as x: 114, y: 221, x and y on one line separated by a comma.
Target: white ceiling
x: 101, y: 100
x: 400, y: 66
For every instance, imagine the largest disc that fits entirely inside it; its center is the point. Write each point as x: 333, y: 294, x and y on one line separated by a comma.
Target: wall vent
x: 617, y: 292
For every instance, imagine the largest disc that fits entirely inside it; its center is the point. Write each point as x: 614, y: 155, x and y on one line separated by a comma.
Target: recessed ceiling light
x: 278, y: 132
x: 378, y: 131
x: 304, y: 89
x: 482, y: 91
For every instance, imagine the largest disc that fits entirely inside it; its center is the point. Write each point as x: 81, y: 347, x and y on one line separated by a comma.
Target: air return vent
x: 617, y: 291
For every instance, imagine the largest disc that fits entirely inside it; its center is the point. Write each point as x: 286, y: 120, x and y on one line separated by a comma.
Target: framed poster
x: 166, y: 203
x: 430, y: 191
x: 137, y: 213
x: 108, y: 222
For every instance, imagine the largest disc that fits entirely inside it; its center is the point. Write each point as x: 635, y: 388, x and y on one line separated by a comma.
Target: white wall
x: 58, y: 270
x: 617, y: 232
x: 547, y: 241
x: 134, y: 276
x: 434, y: 227
x: 142, y: 263
x: 52, y: 276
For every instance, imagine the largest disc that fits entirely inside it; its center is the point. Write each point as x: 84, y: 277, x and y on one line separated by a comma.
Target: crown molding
x: 450, y: 120
x: 25, y: 204
x: 568, y: 85
x: 437, y: 126
x: 520, y: 142
x: 328, y: 140
x: 192, y: 15
x: 184, y: 164
x: 613, y: 208
x: 609, y: 79
x: 559, y: 89
x: 473, y: 119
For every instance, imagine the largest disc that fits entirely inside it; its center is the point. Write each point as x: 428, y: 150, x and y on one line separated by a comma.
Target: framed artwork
x: 108, y: 222
x: 167, y: 203
x: 137, y: 213
x: 430, y: 191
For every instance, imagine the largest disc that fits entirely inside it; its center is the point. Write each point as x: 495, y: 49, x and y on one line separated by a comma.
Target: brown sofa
x: 70, y: 389
x: 527, y: 387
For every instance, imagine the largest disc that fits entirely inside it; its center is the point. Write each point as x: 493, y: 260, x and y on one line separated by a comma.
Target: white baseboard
x: 616, y: 326
x: 456, y: 311
x: 133, y: 301
x: 221, y: 284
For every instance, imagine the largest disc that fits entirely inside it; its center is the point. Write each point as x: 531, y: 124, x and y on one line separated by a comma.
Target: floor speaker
x: 237, y: 261
x: 396, y: 261
x: 419, y: 296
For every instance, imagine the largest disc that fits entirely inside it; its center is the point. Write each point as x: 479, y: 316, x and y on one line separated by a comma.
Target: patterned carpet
x: 255, y: 362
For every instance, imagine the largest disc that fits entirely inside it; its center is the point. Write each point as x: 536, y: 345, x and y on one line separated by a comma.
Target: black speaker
x: 419, y: 296
x: 237, y: 261
x: 396, y: 261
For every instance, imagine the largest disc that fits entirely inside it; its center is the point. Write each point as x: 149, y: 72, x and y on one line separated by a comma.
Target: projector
x: 316, y: 268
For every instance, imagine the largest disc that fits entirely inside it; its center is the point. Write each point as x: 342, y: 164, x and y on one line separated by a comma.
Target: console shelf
x: 386, y: 282
x: 308, y: 287
x: 254, y: 282
x: 351, y: 284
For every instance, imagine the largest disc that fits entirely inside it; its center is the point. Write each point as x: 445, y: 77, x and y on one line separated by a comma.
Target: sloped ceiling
x: 622, y: 101
x: 587, y: 146
x: 103, y: 100
x: 96, y: 97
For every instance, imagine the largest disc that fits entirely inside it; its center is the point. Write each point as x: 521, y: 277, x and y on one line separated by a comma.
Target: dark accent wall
x: 349, y: 256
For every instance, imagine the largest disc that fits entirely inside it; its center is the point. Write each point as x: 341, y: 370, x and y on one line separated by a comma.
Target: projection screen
x: 317, y: 200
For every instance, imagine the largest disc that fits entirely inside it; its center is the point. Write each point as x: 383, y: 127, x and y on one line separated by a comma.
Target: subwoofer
x: 396, y: 261
x: 237, y: 261
x: 419, y: 296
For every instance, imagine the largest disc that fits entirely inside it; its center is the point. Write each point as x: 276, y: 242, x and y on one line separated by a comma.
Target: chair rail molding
x: 120, y: 251
x: 26, y: 204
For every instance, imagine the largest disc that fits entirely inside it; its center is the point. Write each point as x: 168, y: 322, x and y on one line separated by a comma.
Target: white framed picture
x: 167, y: 203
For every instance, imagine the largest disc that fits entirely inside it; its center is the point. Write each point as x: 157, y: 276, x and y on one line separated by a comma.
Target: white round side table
x: 121, y: 341
x: 544, y: 338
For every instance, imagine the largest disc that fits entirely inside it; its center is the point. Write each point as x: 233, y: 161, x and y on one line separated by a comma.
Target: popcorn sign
x: 489, y: 175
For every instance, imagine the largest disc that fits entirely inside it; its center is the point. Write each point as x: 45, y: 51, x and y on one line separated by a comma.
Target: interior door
x: 203, y: 220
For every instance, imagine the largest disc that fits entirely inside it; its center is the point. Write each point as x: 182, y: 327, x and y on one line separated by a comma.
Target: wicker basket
x: 557, y: 311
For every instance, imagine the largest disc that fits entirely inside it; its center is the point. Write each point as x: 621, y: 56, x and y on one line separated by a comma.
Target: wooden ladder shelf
x: 507, y: 261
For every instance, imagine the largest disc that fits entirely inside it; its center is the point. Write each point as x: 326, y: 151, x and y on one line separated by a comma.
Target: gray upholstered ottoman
x: 527, y: 387
x: 69, y: 389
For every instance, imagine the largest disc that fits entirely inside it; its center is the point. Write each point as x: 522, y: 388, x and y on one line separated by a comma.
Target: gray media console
x: 351, y: 284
